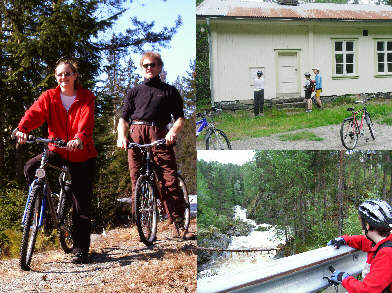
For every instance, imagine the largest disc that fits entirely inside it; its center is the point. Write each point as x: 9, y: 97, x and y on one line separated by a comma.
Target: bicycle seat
x: 350, y: 109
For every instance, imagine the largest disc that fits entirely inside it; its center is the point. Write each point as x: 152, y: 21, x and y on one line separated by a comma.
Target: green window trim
x: 383, y: 75
x: 337, y: 77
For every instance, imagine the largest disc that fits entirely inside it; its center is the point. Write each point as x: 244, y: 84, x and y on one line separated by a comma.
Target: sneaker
x: 308, y: 111
x: 79, y: 257
x: 178, y: 230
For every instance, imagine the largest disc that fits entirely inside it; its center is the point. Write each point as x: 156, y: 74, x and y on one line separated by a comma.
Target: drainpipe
x: 210, y: 61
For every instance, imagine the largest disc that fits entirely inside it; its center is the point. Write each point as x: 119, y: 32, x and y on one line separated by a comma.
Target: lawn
x: 241, y: 124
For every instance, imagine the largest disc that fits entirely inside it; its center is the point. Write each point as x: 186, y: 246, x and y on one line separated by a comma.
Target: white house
x: 351, y: 44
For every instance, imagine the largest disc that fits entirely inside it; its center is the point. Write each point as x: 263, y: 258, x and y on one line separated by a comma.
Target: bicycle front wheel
x: 146, y: 210
x: 369, y: 122
x: 217, y: 140
x: 187, y: 211
x: 349, y: 133
x: 65, y: 221
x: 30, y: 227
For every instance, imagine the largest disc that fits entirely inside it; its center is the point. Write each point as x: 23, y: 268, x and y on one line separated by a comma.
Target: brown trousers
x: 164, y: 158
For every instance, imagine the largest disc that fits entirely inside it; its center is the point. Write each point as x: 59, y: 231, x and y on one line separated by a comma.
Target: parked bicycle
x: 148, y: 207
x: 215, y: 138
x: 40, y: 196
x: 352, y: 127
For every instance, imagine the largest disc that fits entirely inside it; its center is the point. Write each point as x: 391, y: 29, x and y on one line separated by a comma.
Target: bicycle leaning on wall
x: 40, y: 196
x: 215, y: 138
x: 352, y: 127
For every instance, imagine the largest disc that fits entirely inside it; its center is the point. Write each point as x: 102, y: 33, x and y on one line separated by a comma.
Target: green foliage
x: 352, y: 224
x: 203, y: 94
x: 296, y: 191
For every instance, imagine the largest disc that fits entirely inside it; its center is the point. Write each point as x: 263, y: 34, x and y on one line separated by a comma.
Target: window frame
x: 385, y: 62
x: 344, y: 52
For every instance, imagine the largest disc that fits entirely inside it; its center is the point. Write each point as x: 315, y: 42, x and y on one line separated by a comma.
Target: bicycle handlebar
x: 206, y: 112
x: 58, y: 142
x: 154, y: 143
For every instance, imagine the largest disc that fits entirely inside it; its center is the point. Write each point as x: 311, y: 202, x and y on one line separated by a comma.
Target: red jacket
x: 380, y: 275
x: 78, y: 122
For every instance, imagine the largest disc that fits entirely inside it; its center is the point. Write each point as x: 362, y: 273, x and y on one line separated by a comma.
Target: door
x: 288, y: 74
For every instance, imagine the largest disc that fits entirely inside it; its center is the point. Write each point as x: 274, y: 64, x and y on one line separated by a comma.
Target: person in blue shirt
x: 319, y: 86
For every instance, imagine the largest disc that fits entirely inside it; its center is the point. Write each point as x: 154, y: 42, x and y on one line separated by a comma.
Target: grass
x: 242, y: 125
x: 303, y: 135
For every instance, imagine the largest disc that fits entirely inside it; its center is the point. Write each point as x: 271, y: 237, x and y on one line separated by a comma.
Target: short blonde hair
x: 151, y: 55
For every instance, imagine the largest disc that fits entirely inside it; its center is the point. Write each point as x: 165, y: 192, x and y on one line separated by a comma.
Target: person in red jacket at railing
x: 69, y: 111
x: 376, y: 219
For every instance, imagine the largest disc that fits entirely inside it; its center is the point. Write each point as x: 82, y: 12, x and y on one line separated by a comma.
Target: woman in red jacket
x: 376, y: 219
x: 69, y: 111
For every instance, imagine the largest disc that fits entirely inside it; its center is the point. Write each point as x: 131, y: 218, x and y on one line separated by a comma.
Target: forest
x: 33, y: 36
x: 312, y: 196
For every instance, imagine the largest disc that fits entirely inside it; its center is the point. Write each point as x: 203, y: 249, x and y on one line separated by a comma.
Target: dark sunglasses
x: 66, y: 74
x: 152, y: 65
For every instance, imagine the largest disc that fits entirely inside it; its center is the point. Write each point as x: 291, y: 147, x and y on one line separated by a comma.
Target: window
x: 344, y: 57
x: 384, y: 57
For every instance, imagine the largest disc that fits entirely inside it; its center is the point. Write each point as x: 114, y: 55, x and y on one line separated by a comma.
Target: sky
x: 182, y: 48
x: 226, y: 157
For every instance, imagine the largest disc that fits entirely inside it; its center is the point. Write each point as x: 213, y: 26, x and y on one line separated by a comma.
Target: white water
x: 234, y: 262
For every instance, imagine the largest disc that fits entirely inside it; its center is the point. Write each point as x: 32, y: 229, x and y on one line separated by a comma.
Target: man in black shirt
x: 146, y: 111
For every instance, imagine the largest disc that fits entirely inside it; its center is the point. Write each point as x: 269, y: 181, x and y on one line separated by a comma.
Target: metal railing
x: 300, y: 273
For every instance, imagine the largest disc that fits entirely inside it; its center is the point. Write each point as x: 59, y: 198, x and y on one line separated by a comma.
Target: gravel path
x: 330, y: 135
x: 120, y: 263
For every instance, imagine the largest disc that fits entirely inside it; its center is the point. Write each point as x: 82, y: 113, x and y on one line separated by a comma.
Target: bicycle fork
x: 40, y: 216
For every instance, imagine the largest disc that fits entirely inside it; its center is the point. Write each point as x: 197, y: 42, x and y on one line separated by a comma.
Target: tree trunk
x: 390, y: 187
x: 385, y: 169
x: 340, y: 194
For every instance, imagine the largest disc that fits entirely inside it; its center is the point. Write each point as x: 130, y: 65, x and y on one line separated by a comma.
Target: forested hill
x: 315, y: 193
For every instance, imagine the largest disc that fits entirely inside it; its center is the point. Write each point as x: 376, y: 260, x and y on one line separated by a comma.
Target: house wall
x: 240, y: 47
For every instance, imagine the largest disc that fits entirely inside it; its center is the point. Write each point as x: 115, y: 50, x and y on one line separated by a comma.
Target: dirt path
x: 120, y: 263
x: 330, y: 135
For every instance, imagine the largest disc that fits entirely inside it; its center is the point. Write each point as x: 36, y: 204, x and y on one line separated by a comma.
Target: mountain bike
x: 351, y: 129
x: 215, y: 138
x: 147, y: 206
x: 40, y: 196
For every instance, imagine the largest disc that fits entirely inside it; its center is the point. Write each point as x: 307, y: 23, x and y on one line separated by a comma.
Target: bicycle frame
x: 47, y: 198
x: 362, y: 118
x: 355, y: 114
x: 203, y: 123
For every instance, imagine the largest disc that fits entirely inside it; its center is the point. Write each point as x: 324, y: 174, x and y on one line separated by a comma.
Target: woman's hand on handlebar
x: 20, y: 136
x: 72, y: 145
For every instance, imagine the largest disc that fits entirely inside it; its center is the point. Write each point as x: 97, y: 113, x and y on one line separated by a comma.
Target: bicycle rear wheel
x: 349, y: 133
x: 217, y: 140
x: 65, y: 221
x: 30, y: 227
x: 146, y: 210
x: 187, y: 212
x: 369, y: 122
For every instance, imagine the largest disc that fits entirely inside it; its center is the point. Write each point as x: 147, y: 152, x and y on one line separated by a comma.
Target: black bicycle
x: 352, y: 128
x: 59, y: 213
x: 147, y: 205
